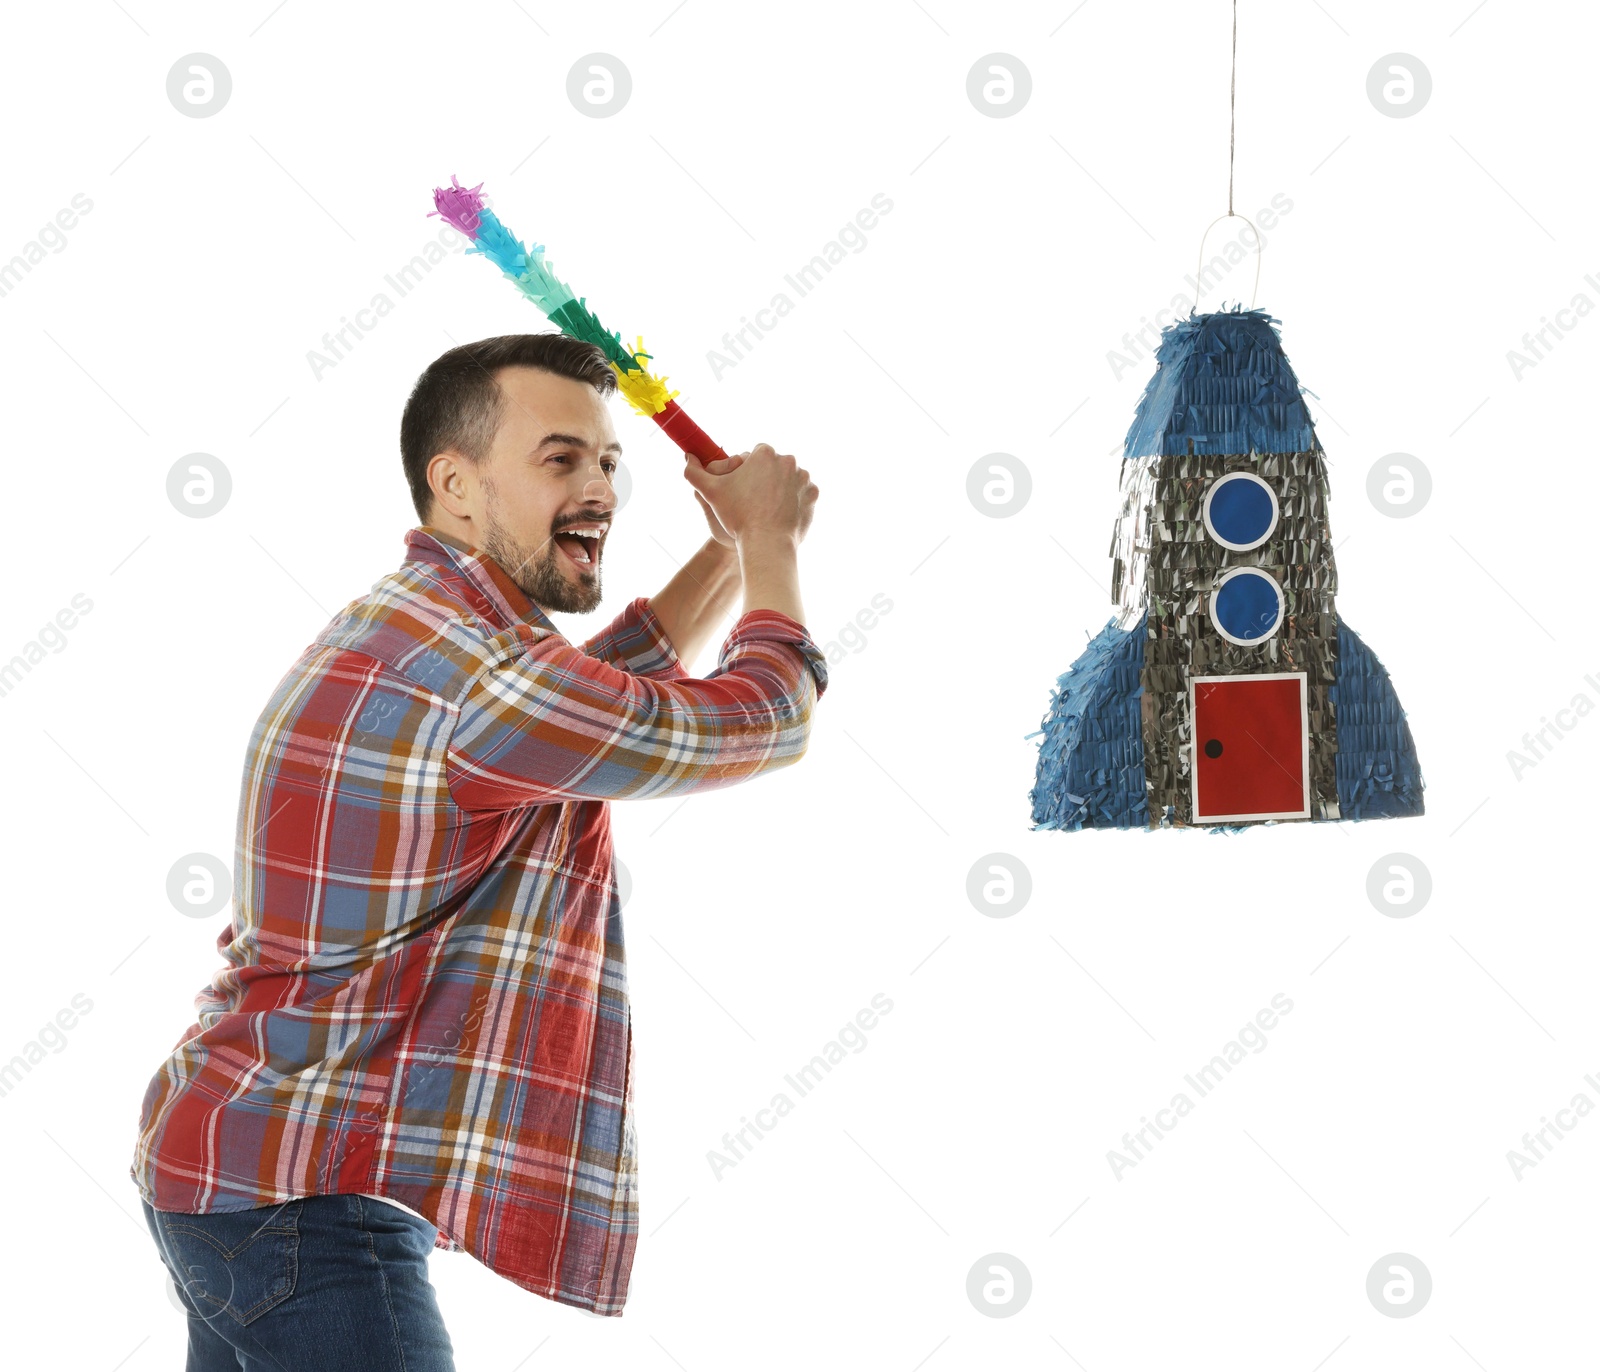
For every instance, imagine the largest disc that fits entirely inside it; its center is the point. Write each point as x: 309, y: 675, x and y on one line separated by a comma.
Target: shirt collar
x: 489, y: 590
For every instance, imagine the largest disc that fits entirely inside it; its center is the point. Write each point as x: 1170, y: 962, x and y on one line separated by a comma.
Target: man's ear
x: 449, y: 475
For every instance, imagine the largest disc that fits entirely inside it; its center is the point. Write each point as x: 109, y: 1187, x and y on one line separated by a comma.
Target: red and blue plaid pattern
x: 425, y: 993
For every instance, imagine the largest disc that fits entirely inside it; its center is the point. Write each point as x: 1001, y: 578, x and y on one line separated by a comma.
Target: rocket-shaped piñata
x: 1226, y: 690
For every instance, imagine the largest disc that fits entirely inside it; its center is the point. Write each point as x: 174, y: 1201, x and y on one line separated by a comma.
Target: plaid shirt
x: 425, y: 995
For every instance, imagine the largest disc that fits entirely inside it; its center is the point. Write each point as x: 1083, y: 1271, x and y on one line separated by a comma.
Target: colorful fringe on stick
x: 526, y: 269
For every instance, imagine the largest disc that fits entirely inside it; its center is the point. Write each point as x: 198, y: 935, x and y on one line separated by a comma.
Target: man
x: 421, y: 1037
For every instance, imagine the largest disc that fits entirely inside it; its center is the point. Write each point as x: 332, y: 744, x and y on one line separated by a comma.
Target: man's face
x: 548, y: 471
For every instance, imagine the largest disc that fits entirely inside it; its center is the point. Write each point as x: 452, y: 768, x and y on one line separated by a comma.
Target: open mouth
x: 580, y: 546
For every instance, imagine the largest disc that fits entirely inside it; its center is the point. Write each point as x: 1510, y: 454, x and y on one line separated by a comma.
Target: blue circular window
x: 1247, y: 606
x: 1241, y: 511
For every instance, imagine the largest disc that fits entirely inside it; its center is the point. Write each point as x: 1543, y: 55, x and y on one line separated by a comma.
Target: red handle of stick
x: 688, y: 435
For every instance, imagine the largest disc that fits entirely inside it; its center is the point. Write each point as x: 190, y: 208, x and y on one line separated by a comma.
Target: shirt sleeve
x: 636, y: 642
x: 555, y: 723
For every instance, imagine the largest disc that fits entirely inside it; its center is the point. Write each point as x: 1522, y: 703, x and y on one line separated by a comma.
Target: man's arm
x: 701, y: 594
x: 768, y: 561
x: 636, y: 642
x: 660, y: 635
x: 555, y: 724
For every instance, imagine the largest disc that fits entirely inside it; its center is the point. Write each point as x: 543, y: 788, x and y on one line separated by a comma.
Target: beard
x: 539, y: 572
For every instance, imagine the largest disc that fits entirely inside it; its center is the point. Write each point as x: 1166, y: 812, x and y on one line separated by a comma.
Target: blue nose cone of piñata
x: 1225, y: 691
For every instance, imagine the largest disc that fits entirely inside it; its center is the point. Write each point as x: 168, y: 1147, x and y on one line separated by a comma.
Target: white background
x: 979, y: 316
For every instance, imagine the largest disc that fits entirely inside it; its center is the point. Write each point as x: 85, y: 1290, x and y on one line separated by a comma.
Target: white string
x: 1233, y: 77
x: 1254, y: 289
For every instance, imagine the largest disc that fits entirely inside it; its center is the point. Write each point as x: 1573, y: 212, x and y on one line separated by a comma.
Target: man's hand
x: 720, y: 467
x: 761, y: 493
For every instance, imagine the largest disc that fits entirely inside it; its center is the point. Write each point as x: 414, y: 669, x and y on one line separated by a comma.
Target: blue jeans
x: 316, y: 1284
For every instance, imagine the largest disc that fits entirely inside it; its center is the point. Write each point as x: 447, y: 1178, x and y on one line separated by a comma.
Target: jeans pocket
x: 241, y: 1264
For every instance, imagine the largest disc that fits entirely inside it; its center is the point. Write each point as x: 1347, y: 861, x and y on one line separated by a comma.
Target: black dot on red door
x: 1213, y: 747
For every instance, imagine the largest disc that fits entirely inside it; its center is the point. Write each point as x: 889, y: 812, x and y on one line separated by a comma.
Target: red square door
x: 1251, y: 747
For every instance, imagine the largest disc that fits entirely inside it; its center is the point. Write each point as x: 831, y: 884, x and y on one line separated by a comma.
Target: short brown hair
x: 457, y: 403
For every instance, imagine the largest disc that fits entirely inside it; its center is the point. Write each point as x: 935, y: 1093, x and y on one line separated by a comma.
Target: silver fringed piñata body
x: 1225, y: 691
